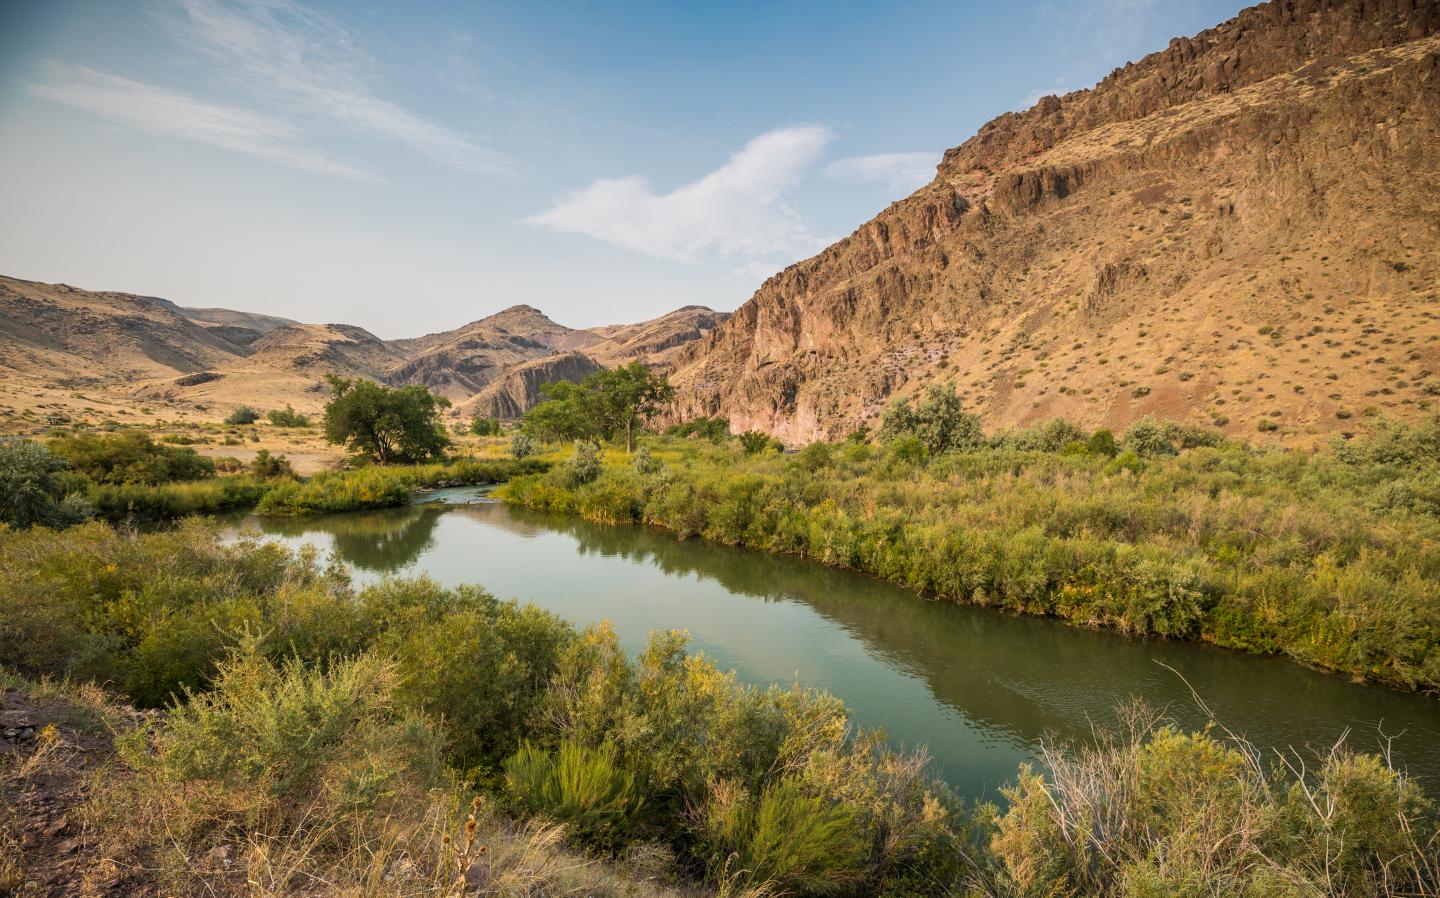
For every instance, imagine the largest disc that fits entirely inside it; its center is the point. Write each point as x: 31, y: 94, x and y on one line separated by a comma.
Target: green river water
x: 978, y: 687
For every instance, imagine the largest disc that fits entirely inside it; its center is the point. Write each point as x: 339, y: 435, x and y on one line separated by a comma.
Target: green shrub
x: 33, y: 491
x: 583, y: 467
x: 1051, y: 436
x: 270, y: 466
x: 583, y: 788
x: 1102, y: 442
x: 243, y: 414
x: 131, y: 456
x: 286, y: 417
x: 288, y: 750
x: 369, y: 487
x: 521, y: 445
x: 168, y: 501
x: 1169, y: 813
x: 482, y: 426
x: 646, y: 463
x: 716, y: 430
x: 475, y: 662
x: 754, y: 442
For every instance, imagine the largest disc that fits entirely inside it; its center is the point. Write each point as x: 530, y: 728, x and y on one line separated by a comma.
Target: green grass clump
x: 798, y: 842
x: 584, y: 788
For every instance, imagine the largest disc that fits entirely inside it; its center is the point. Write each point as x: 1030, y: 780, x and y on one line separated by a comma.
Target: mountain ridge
x: 56, y: 337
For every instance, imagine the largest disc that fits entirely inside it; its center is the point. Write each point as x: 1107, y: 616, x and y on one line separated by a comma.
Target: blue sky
x: 410, y: 167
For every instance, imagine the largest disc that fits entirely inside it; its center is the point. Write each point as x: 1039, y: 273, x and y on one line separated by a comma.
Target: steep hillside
x: 288, y: 364
x: 517, y: 388
x: 252, y: 321
x: 460, y: 362
x: 1244, y: 226
x: 60, y: 332
x: 657, y: 341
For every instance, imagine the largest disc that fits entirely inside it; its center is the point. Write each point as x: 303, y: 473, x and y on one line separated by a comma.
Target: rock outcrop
x: 517, y: 388
x: 1244, y: 225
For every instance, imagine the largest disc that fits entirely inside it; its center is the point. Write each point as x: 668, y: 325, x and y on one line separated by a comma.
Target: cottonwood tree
x: 387, y: 425
x: 605, y: 405
x: 629, y: 396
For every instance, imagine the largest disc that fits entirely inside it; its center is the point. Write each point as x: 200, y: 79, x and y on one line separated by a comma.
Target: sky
x: 410, y: 167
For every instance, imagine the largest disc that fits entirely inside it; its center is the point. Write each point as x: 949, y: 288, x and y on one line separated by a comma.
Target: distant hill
x: 57, y: 339
x: 656, y: 341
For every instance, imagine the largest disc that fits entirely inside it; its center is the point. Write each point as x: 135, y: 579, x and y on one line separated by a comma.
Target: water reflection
x: 978, y: 687
x: 384, y: 541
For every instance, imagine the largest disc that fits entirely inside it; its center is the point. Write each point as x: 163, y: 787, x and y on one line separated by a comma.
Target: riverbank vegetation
x: 410, y: 739
x: 1331, y: 557
x: 128, y: 476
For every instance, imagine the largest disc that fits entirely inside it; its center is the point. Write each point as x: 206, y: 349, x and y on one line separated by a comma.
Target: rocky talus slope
x: 1242, y: 227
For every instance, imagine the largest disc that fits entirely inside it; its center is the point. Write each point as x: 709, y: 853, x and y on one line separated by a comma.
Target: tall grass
x: 1332, y: 558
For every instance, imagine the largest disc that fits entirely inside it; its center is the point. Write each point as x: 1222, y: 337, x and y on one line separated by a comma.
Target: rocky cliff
x: 517, y: 388
x: 1244, y: 226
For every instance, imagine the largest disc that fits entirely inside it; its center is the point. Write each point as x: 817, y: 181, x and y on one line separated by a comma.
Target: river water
x: 979, y: 688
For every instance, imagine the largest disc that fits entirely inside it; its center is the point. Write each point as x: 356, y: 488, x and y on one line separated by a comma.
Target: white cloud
x: 737, y: 211
x: 901, y: 172
x: 304, y: 60
x: 157, y: 110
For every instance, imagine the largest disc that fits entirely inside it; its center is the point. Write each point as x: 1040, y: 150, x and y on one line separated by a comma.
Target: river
x: 979, y: 688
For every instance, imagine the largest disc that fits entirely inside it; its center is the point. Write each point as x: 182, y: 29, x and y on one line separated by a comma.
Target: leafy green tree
x: 604, y: 405
x: 628, y: 397
x: 568, y: 413
x: 385, y: 424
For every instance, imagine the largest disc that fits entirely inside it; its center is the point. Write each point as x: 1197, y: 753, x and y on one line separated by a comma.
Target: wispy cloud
x: 157, y: 110
x: 900, y: 172
x: 739, y: 211
x: 300, y: 58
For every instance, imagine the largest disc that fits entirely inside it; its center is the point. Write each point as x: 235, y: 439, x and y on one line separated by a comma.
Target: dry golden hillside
x: 1243, y: 227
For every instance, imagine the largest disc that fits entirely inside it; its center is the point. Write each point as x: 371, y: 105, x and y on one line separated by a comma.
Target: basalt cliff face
x: 1244, y: 226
